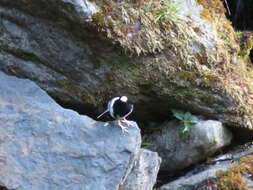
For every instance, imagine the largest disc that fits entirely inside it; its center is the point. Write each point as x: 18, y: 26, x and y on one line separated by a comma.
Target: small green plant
x: 244, y: 52
x: 238, y: 32
x: 187, y: 120
x: 146, y: 144
x: 168, y: 11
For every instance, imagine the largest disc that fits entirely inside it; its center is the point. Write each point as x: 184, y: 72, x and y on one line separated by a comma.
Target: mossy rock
x: 160, y: 64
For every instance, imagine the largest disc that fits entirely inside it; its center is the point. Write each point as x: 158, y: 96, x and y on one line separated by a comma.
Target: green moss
x: 128, y: 70
x: 79, y: 92
x: 134, y: 24
x: 99, y: 18
x: 245, y: 39
x: 244, y: 52
x: 185, y: 76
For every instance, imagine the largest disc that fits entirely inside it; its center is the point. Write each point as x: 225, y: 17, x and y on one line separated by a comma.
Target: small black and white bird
x: 119, y: 109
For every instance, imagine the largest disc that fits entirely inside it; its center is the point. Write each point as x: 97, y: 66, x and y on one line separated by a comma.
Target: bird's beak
x: 102, y: 113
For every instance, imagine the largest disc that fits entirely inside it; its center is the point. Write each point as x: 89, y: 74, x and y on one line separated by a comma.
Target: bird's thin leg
x: 126, y: 121
x: 124, y: 129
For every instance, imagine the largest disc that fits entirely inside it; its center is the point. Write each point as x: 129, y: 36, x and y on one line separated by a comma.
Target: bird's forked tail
x: 102, y: 113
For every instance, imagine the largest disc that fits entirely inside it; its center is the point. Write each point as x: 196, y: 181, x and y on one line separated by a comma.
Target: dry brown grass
x: 233, y: 179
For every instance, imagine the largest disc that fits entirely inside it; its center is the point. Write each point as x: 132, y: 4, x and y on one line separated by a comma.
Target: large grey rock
x: 43, y: 146
x: 205, y: 138
x: 144, y: 172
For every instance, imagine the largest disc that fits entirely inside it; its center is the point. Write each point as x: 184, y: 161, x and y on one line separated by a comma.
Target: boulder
x: 144, y: 172
x: 218, y: 173
x: 83, y: 53
x: 205, y: 138
x: 44, y: 146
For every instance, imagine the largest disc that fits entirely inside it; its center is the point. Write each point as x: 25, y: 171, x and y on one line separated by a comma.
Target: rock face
x: 144, y: 172
x: 75, y: 54
x: 32, y: 43
x: 44, y: 146
x: 205, y: 138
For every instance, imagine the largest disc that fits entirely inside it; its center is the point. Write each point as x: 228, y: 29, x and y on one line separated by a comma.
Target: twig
x: 229, y: 13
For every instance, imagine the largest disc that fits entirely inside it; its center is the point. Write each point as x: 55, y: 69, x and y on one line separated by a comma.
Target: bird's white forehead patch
x: 123, y: 99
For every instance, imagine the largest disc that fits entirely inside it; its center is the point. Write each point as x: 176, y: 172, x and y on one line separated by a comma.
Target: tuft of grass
x: 234, y: 177
x: 168, y: 11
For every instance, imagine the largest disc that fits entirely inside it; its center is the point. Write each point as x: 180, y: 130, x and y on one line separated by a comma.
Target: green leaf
x: 187, y: 119
x: 178, y: 114
x: 194, y: 119
x: 187, y: 116
x: 190, y: 118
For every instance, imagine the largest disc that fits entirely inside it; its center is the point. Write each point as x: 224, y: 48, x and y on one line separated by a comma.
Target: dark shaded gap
x: 3, y: 188
x: 241, y: 16
x: 83, y: 109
